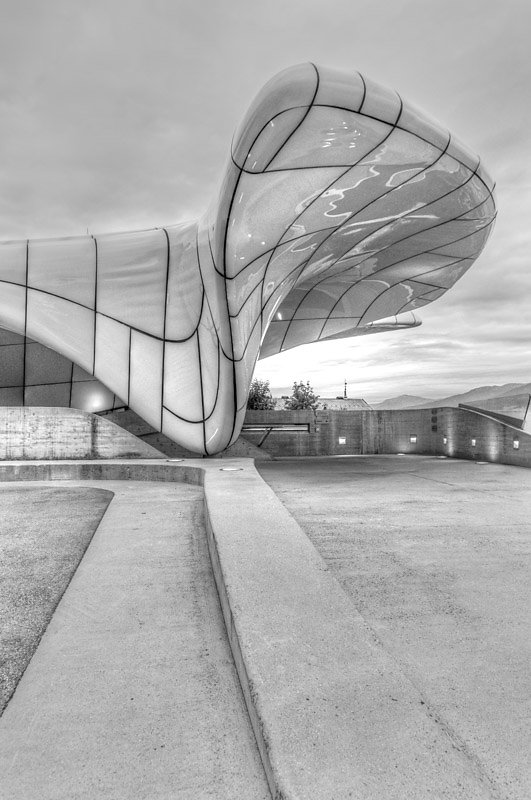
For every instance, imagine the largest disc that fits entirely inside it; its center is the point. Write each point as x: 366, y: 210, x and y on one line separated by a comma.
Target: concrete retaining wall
x: 324, y: 429
x: 416, y: 431
x: 478, y: 436
x: 61, y: 433
x: 65, y: 433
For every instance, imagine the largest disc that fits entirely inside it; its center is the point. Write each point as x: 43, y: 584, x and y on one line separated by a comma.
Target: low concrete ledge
x: 333, y: 715
x: 101, y: 470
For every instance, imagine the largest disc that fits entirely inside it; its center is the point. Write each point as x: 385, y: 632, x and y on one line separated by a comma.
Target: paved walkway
x: 132, y: 691
x: 434, y: 554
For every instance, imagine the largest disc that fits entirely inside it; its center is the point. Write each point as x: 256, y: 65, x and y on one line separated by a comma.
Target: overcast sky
x: 118, y: 114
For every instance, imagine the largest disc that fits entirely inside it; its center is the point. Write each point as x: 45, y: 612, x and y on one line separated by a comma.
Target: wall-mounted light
x: 342, y: 440
x: 413, y: 438
x: 516, y: 444
x: 445, y: 439
x: 473, y: 442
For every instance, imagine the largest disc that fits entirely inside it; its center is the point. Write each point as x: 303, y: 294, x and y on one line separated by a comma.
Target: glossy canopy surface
x: 341, y: 208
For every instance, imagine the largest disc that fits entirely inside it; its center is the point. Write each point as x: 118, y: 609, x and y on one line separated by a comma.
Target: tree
x: 303, y: 396
x: 260, y: 397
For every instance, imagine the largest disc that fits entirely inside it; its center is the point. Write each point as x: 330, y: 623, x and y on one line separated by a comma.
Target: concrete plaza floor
x: 434, y: 554
x: 394, y: 668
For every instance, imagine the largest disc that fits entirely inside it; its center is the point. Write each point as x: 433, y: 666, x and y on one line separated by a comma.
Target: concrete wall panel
x: 64, y: 433
x: 468, y: 434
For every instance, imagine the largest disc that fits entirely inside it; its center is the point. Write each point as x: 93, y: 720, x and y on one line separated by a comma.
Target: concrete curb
x: 110, y: 470
x: 333, y: 715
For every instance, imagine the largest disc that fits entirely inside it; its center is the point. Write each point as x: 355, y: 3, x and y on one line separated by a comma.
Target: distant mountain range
x: 402, y: 401
x: 511, y: 399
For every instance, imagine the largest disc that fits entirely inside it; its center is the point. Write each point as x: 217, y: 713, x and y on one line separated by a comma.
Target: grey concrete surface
x: 434, y: 554
x: 334, y: 713
x: 33, y: 432
x: 132, y: 692
x: 337, y: 712
x: 43, y: 535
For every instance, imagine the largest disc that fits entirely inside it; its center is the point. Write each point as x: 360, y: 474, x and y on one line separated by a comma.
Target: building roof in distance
x: 344, y: 404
